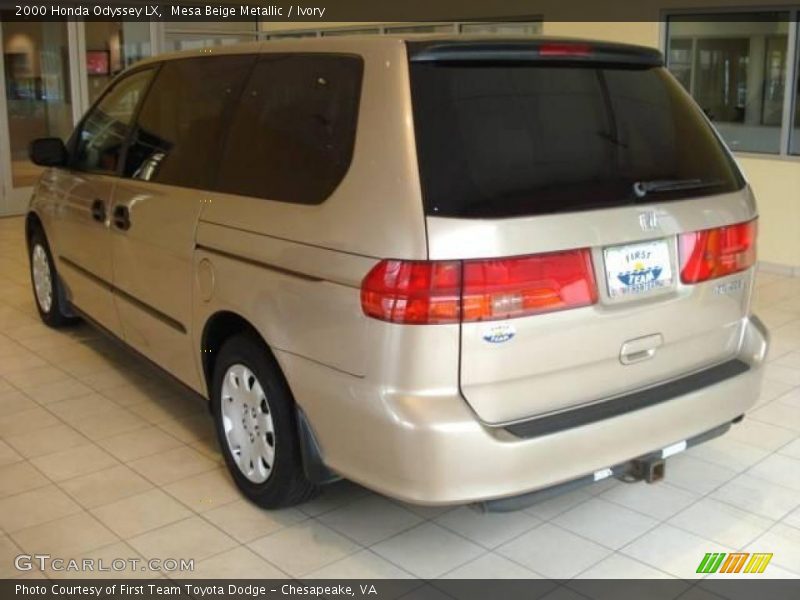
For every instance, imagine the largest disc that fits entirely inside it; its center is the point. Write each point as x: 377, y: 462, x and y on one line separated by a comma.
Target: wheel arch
x: 32, y: 223
x: 224, y: 324
x: 219, y: 327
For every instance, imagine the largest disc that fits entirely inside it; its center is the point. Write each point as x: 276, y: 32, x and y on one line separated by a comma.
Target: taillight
x: 428, y: 292
x: 713, y: 253
x: 413, y: 292
x: 516, y: 287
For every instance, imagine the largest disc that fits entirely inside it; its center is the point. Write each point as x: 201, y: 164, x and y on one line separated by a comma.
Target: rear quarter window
x: 512, y: 139
x: 292, y: 134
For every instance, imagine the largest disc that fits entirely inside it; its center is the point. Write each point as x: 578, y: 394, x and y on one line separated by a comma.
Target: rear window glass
x: 511, y: 139
x: 293, y: 131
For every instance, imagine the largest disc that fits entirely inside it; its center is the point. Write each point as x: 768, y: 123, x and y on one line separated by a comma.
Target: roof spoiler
x: 544, y: 50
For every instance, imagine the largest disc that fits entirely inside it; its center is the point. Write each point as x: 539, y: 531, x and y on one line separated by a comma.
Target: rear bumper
x: 649, y: 467
x: 432, y: 449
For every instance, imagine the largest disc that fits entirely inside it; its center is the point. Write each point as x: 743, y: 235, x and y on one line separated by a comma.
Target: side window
x: 292, y: 134
x: 177, y: 133
x: 99, y: 142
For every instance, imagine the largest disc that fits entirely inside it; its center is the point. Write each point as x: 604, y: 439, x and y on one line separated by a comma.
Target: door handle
x: 122, y: 217
x: 99, y: 211
x: 643, y: 348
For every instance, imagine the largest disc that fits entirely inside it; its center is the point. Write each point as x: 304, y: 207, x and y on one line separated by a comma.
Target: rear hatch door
x: 537, y: 147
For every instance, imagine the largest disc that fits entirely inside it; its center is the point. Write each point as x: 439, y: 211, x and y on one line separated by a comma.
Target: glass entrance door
x: 37, y: 100
x: 51, y: 73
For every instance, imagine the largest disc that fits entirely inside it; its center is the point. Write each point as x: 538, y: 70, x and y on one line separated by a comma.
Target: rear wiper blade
x: 642, y: 188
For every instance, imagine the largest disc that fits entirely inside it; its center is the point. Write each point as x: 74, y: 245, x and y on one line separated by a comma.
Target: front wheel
x: 47, y: 290
x: 257, y: 425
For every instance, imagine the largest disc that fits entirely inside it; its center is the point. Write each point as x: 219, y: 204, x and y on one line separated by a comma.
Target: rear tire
x: 48, y: 291
x: 256, y: 425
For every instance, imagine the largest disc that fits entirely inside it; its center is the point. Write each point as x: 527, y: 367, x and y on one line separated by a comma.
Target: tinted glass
x: 99, y: 142
x: 36, y: 67
x: 501, y: 140
x: 176, y: 138
x: 292, y: 134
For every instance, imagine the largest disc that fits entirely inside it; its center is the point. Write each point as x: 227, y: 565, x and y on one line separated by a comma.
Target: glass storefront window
x: 293, y: 35
x: 735, y: 68
x: 36, y: 64
x: 204, y: 34
x: 794, y: 139
x: 441, y: 28
x: 111, y: 47
x: 194, y: 41
x: 340, y: 32
x: 522, y: 28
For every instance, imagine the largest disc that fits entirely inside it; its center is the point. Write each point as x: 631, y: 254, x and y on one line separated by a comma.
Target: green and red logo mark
x: 735, y: 562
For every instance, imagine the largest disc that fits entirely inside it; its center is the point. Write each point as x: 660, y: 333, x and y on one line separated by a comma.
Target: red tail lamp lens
x: 413, y: 292
x: 718, y: 252
x: 517, y: 287
x: 429, y: 292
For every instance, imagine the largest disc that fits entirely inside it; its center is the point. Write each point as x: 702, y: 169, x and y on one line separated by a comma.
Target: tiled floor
x: 102, y: 457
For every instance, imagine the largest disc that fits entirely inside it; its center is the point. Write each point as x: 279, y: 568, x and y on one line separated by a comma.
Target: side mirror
x: 48, y: 152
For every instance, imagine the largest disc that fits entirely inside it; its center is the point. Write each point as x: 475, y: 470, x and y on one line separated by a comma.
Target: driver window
x: 102, y: 134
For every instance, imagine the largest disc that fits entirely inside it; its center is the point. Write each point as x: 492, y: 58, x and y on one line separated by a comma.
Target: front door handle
x: 122, y: 217
x: 99, y: 211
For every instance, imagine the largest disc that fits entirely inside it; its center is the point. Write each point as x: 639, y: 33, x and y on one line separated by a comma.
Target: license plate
x: 637, y: 269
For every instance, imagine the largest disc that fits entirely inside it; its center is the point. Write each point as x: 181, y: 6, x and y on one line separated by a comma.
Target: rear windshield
x: 511, y: 139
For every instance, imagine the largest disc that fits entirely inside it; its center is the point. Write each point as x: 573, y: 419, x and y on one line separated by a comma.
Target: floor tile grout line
x: 203, y: 516
x: 406, y: 529
x: 243, y: 544
x: 739, y: 547
x: 327, y: 563
x: 57, y: 416
x: 769, y: 529
x: 617, y: 553
x: 744, y: 471
x: 52, y: 480
x: 543, y: 522
x: 537, y: 523
x: 730, y: 504
x: 433, y: 518
x: 493, y: 553
x: 85, y: 550
x: 424, y: 521
x: 181, y: 441
x: 661, y: 522
x: 48, y: 521
x: 702, y: 497
x: 68, y: 425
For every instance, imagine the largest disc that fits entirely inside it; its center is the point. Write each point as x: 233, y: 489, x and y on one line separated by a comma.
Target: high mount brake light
x: 430, y: 292
x: 565, y: 49
x: 714, y: 253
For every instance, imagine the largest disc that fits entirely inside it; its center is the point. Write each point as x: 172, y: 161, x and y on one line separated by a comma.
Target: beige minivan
x: 453, y: 270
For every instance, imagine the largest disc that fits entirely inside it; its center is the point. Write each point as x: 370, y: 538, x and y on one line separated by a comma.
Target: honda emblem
x: 648, y: 221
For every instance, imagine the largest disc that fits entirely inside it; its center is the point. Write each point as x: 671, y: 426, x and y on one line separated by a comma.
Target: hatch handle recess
x: 639, y: 349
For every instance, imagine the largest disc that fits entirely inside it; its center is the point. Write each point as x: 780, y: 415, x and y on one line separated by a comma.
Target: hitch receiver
x: 651, y: 470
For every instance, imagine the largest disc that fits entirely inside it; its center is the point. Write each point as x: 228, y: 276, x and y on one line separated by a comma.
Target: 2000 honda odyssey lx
x: 452, y: 270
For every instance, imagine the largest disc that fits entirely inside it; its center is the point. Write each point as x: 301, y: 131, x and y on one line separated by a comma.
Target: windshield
x: 511, y: 139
